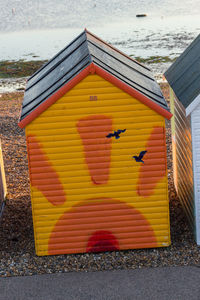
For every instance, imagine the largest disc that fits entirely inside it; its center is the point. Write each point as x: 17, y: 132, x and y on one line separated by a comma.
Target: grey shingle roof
x: 80, y: 53
x: 184, y: 74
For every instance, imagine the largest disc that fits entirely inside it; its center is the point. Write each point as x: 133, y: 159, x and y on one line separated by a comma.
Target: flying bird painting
x: 140, y: 157
x: 116, y: 134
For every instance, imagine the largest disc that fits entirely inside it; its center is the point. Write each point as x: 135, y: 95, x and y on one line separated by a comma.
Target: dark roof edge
x: 53, y: 67
x: 91, y: 69
x: 117, y: 50
x: 47, y: 63
x: 56, y: 95
x: 58, y: 81
x: 138, y: 88
x: 137, y: 71
x: 181, y: 57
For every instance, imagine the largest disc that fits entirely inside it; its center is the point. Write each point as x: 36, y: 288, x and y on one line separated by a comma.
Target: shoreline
x: 24, y: 68
x: 14, y: 74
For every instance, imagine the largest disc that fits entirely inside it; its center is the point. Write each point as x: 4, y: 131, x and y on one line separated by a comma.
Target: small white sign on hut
x: 184, y: 80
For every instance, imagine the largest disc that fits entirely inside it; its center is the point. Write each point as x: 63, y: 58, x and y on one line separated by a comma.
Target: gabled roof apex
x: 84, y: 55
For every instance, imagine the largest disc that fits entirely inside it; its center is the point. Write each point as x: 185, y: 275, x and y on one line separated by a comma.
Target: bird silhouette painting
x: 140, y: 157
x: 116, y: 134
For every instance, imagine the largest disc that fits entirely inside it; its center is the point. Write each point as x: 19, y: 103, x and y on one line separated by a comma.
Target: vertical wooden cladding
x: 173, y: 137
x: 195, y: 126
x: 3, y: 187
x: 183, y: 78
x: 183, y: 159
x: 68, y: 132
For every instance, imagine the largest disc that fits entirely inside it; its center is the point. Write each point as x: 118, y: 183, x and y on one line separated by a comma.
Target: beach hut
x: 3, y: 187
x: 95, y: 127
x: 183, y: 77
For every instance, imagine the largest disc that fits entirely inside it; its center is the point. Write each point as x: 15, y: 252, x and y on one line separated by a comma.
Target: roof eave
x: 92, y: 69
x: 113, y: 48
x: 192, y: 106
x: 133, y: 92
x: 57, y: 95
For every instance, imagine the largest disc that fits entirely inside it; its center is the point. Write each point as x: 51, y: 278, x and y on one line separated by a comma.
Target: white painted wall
x: 195, y: 127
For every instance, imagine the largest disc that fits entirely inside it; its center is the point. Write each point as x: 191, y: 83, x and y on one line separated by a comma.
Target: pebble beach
x: 17, y: 255
x: 36, y: 31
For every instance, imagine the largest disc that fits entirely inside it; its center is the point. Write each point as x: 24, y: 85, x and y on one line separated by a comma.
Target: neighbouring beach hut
x: 95, y: 127
x: 3, y: 187
x: 184, y: 80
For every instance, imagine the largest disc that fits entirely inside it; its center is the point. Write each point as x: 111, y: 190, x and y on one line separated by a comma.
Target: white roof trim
x: 195, y: 160
x: 192, y: 105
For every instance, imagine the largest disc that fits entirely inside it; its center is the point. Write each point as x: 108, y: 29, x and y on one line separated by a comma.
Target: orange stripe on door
x: 37, y: 179
x: 152, y: 164
x: 97, y: 147
x: 97, y: 231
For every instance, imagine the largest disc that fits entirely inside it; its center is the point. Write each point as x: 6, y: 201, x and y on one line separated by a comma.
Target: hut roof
x: 89, y: 54
x: 183, y: 75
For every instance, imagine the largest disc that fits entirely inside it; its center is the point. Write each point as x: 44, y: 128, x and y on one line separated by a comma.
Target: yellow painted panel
x: 94, y: 111
x: 127, y: 184
x: 44, y: 237
x: 61, y: 138
x: 3, y: 178
x: 118, y: 121
x: 76, y: 171
x: 172, y: 110
x: 43, y: 225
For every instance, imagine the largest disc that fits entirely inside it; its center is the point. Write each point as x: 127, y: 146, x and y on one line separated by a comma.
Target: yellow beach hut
x: 95, y: 127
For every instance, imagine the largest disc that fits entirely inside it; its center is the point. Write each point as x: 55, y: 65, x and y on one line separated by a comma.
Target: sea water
x: 35, y: 29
